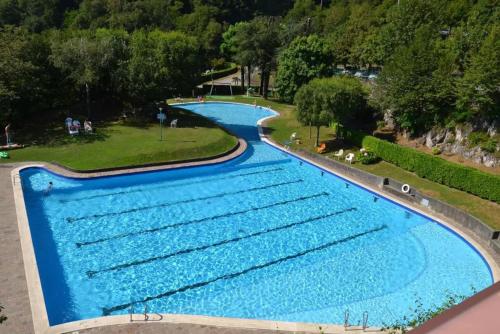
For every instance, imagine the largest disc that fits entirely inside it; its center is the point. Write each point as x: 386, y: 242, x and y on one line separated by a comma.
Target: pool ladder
x: 147, y: 316
x: 365, y: 320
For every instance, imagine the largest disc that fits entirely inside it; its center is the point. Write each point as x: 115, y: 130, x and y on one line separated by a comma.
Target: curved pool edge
x: 249, y: 325
x: 37, y: 301
x: 461, y: 232
x: 68, y: 173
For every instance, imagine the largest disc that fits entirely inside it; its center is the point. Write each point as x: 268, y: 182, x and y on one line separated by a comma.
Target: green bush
x: 436, y: 150
x: 489, y: 146
x: 422, y: 314
x: 476, y: 138
x: 433, y: 168
x: 367, y: 158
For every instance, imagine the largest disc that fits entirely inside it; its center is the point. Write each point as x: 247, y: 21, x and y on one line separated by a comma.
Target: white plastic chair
x: 173, y: 124
x: 350, y: 158
x: 339, y: 154
x: 293, y: 136
x: 73, y: 130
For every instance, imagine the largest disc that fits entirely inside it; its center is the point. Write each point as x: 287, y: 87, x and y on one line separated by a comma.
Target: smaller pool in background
x: 263, y: 236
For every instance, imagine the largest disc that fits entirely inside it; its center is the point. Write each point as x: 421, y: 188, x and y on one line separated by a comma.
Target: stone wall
x: 454, y: 141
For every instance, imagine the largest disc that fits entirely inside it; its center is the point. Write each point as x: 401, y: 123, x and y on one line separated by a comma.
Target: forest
x: 439, y: 60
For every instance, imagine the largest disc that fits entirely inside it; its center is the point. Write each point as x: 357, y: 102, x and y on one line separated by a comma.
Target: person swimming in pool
x: 49, y: 188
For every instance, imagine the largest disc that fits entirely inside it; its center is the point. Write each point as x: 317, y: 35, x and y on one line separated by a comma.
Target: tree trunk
x: 310, y: 130
x: 265, y: 87
x: 317, y: 136
x: 261, y: 87
x: 242, y: 69
x: 87, y: 100
x: 249, y: 75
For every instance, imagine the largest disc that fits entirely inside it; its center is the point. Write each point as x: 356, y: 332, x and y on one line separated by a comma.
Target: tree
x: 19, y: 84
x: 327, y: 100
x: 309, y: 108
x: 478, y: 90
x: 161, y: 64
x: 232, y: 48
x: 83, y: 58
x: 255, y: 43
x: 417, y: 84
x: 306, y: 58
x: 301, y: 9
x: 405, y: 19
x: 201, y: 23
x: 10, y: 13
x: 128, y: 15
x: 264, y: 44
x: 93, y: 61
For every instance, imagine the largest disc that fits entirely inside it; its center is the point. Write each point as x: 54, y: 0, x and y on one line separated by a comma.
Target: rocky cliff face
x: 456, y: 141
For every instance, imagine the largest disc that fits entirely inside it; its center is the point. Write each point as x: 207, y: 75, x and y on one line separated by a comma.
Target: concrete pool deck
x: 16, y: 292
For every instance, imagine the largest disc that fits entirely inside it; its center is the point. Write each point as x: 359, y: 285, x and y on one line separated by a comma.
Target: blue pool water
x: 263, y: 236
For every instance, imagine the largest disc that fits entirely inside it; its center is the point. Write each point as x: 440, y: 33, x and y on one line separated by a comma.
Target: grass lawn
x: 127, y: 144
x: 282, y: 127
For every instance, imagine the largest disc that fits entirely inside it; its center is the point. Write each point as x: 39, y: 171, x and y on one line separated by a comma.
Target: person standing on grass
x: 7, y: 134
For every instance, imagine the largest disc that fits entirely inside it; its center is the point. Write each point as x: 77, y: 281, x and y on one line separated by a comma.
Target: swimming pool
x: 263, y: 236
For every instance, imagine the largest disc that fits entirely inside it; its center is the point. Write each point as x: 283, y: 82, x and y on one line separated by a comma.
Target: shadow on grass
x: 185, y: 119
x: 54, y: 135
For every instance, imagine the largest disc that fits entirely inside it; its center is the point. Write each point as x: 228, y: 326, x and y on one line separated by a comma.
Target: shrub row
x: 433, y: 168
x: 220, y: 73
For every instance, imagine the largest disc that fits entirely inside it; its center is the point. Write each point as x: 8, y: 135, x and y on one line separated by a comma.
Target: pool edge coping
x: 35, y: 292
x: 60, y: 170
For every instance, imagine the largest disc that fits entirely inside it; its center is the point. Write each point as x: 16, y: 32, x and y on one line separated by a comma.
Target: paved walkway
x: 184, y: 329
x: 13, y: 288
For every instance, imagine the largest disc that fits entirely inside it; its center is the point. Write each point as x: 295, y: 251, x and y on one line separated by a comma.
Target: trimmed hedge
x: 433, y: 168
x: 220, y: 73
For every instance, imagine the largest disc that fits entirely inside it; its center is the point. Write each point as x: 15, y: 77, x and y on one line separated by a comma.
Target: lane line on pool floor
x: 169, y: 186
x: 167, y: 204
x: 200, y: 220
x: 93, y: 273
x: 109, y: 310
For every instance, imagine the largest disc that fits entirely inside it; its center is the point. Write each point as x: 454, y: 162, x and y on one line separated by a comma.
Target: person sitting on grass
x: 321, y: 148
